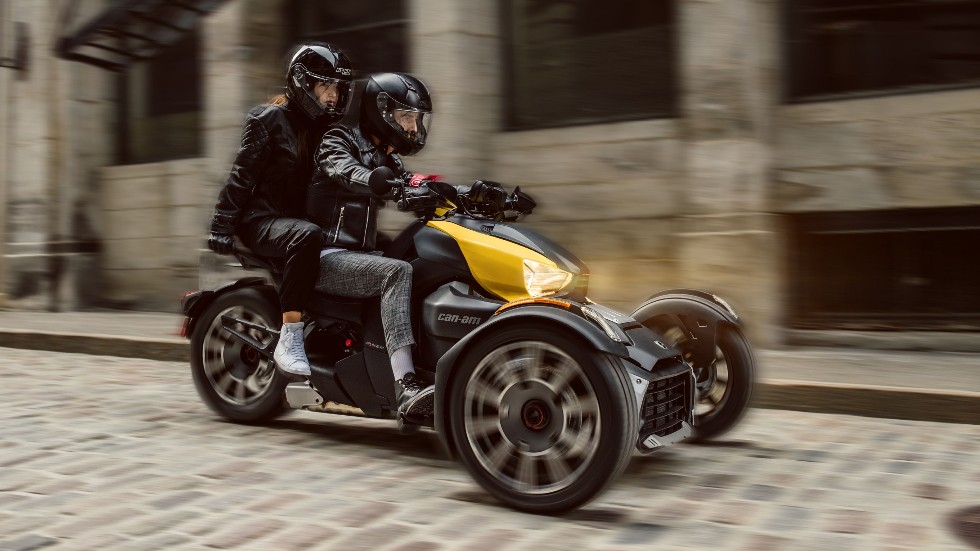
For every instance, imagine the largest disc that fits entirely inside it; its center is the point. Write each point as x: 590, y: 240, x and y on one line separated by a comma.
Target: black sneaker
x: 408, y: 389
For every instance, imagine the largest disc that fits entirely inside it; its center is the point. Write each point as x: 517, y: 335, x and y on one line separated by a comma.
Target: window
x: 837, y: 47
x: 899, y: 269
x: 175, y: 78
x: 160, y: 107
x: 372, y: 34
x: 582, y: 61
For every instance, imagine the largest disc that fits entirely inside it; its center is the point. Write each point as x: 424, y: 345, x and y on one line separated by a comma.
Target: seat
x: 324, y: 304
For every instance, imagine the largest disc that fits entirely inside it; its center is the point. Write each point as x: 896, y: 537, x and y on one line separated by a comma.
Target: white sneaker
x: 290, y: 353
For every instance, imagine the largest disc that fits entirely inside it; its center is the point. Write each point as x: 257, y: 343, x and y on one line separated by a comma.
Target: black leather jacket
x: 268, y: 178
x: 339, y: 199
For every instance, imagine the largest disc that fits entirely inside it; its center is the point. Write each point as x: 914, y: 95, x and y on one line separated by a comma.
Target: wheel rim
x: 712, y: 386
x: 713, y: 389
x: 236, y: 371
x: 532, y: 417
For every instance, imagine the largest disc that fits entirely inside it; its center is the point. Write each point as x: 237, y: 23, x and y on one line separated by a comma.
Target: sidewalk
x: 924, y: 386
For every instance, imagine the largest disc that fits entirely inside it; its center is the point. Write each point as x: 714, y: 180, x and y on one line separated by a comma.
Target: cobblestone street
x: 113, y: 453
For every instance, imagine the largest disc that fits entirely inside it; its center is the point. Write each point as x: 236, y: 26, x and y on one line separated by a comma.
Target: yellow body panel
x: 496, y: 264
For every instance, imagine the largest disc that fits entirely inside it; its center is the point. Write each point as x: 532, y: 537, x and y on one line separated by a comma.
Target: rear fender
x: 697, y: 313
x: 195, y: 303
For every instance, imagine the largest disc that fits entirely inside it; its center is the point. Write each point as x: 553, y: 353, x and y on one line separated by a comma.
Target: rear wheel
x: 723, y: 387
x: 231, y: 377
x: 542, y: 422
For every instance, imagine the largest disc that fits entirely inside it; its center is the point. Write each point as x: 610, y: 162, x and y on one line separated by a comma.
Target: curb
x: 165, y: 350
x: 914, y: 404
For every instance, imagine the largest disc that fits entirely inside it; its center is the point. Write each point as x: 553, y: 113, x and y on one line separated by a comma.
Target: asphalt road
x: 110, y: 453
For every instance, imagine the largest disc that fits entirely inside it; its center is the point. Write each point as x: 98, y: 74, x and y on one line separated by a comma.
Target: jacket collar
x: 364, y: 144
x: 296, y: 118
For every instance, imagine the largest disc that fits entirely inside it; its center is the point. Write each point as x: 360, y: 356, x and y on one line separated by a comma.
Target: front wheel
x: 723, y: 387
x: 542, y: 422
x: 231, y: 377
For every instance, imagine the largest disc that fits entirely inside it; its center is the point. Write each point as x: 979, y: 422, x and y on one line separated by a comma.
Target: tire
x: 725, y: 389
x: 547, y: 435
x: 232, y: 378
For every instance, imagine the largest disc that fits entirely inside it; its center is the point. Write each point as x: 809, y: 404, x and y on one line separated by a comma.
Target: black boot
x: 411, y: 390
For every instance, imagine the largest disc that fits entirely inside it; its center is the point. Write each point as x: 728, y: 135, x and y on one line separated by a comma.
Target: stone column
x: 728, y: 239
x: 28, y: 170
x: 224, y: 54
x: 6, y: 100
x: 242, y: 49
x: 455, y: 50
x: 54, y: 134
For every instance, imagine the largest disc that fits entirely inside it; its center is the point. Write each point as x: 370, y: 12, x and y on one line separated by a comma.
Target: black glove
x: 412, y: 198
x: 381, y: 180
x: 221, y: 243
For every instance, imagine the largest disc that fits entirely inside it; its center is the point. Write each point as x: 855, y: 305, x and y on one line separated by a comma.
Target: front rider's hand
x: 221, y: 243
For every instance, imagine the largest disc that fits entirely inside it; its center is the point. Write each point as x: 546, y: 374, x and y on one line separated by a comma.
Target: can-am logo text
x: 456, y: 318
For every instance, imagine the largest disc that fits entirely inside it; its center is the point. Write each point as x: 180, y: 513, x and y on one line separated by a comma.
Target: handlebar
x: 482, y: 198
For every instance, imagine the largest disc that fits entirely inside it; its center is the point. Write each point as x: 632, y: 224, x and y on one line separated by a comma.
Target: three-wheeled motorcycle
x: 541, y: 393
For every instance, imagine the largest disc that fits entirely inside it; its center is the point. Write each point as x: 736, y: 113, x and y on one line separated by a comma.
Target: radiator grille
x: 666, y: 404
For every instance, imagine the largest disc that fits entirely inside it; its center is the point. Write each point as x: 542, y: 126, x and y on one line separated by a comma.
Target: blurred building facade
x: 814, y: 162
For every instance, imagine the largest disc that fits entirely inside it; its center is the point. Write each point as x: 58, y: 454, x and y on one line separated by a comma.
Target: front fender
x: 560, y: 318
x: 536, y: 314
x: 697, y: 313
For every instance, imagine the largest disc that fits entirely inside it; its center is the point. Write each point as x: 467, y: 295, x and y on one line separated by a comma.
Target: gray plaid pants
x: 361, y: 275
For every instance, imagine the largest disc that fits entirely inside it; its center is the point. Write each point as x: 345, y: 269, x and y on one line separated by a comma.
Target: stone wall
x: 693, y: 201
x: 650, y: 204
x: 152, y: 231
x: 902, y: 151
x: 55, y: 134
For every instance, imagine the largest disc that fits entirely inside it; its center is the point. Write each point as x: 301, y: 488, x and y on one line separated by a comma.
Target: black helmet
x: 316, y: 63
x: 397, y: 108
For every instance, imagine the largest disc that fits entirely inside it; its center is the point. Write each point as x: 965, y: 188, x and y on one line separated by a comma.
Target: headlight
x: 542, y: 280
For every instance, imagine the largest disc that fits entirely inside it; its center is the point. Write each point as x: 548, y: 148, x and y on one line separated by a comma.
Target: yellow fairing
x: 496, y: 264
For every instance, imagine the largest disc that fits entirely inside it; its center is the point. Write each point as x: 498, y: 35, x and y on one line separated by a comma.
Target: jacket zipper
x: 340, y: 220
x: 367, y: 226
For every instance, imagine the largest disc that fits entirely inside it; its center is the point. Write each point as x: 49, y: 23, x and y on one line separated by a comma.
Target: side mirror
x: 380, y: 180
x: 521, y: 202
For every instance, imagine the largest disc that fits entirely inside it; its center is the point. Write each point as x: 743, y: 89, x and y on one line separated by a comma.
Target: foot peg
x: 302, y: 396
